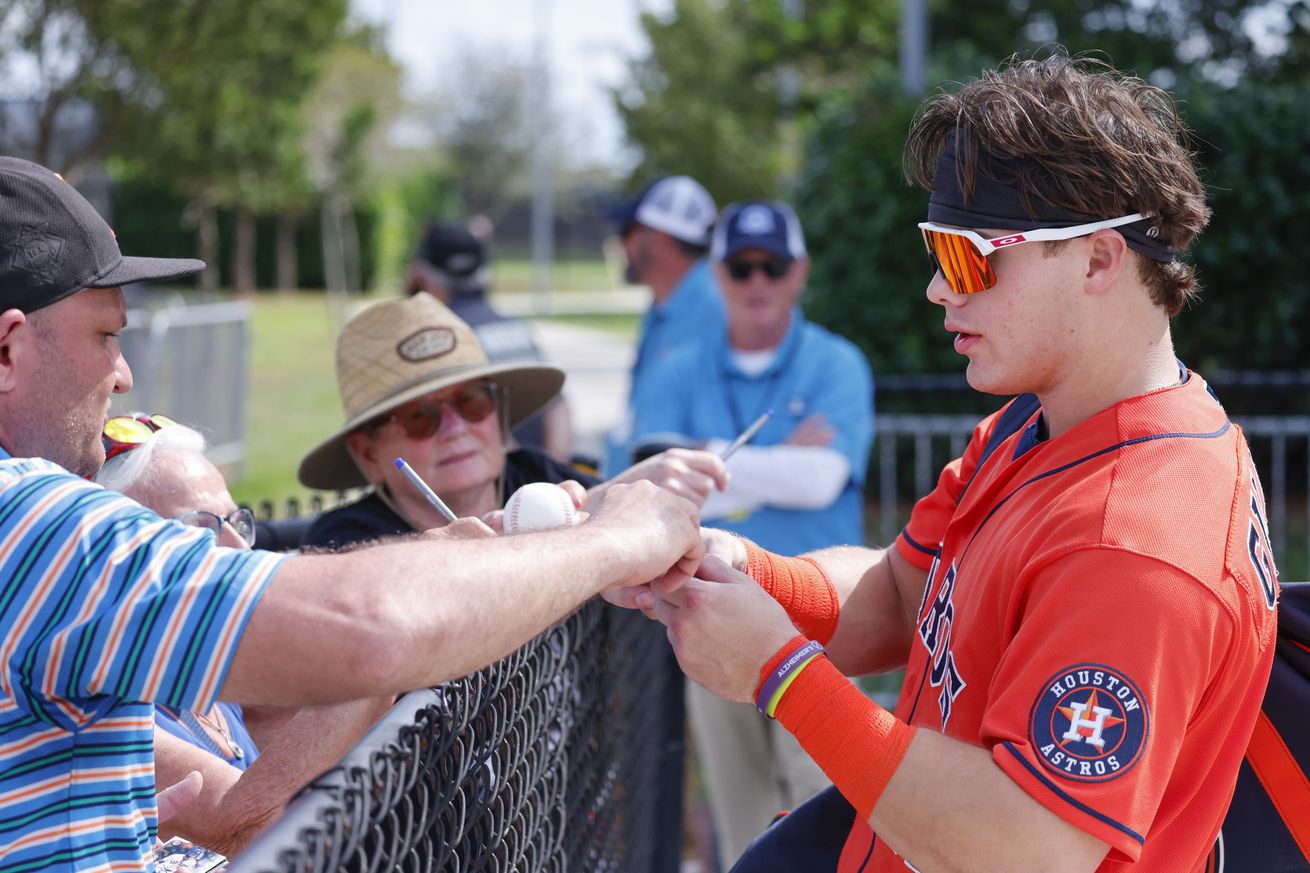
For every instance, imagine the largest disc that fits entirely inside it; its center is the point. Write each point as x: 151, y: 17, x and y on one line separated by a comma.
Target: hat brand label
x: 431, y: 342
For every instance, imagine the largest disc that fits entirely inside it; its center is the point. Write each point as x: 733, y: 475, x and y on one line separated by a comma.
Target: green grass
x: 292, y: 399
x: 624, y: 324
x: 515, y: 276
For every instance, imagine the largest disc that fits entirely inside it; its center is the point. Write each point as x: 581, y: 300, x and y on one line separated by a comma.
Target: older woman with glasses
x: 161, y: 465
x: 416, y: 384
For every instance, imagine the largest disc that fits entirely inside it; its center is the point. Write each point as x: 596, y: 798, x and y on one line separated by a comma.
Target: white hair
x: 136, y: 468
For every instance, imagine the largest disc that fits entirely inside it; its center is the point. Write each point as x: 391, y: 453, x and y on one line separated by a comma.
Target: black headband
x: 996, y: 204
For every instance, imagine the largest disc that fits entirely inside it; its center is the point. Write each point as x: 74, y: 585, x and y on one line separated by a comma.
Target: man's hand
x: 724, y: 628
x: 813, y: 431
x: 656, y: 532
x: 686, y: 472
x: 178, y: 796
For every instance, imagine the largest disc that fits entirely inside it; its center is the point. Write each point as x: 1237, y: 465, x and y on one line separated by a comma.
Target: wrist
x: 781, y: 670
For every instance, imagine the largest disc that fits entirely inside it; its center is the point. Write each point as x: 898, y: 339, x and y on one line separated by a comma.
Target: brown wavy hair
x: 1090, y: 140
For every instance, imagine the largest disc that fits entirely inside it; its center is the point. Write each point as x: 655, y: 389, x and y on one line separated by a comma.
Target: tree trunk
x: 243, y: 253
x: 287, y: 277
x: 207, y: 231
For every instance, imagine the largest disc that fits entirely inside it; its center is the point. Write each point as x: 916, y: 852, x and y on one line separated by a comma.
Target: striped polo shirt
x: 105, y: 608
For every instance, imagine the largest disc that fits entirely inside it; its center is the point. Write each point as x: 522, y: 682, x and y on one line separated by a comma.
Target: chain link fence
x: 565, y: 756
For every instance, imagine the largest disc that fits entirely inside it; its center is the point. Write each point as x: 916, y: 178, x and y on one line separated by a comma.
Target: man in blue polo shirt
x: 107, y: 608
x: 665, y: 233
x: 796, y: 486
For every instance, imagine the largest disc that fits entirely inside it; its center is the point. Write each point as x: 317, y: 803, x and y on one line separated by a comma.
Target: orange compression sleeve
x: 854, y: 740
x: 802, y: 588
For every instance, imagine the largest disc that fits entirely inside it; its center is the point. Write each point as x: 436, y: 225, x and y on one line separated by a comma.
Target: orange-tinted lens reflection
x: 965, y: 270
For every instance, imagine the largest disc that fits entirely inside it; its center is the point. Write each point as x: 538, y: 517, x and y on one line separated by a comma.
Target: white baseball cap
x: 677, y: 205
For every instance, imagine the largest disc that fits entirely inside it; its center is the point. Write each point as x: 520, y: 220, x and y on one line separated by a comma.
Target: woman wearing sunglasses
x: 161, y: 465
x: 416, y: 384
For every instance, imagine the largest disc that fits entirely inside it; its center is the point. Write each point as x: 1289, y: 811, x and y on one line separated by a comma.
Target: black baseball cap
x: 456, y: 256
x: 53, y: 243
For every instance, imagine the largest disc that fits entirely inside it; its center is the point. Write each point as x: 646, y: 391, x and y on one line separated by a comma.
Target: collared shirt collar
x: 786, y: 350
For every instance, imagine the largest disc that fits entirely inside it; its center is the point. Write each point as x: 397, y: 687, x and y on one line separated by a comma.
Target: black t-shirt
x: 369, y: 518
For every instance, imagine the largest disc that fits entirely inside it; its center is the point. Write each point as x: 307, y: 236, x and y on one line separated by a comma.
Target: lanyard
x: 739, y: 422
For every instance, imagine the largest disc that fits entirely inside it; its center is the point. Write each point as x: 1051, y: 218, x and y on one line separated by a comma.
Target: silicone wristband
x: 777, y: 682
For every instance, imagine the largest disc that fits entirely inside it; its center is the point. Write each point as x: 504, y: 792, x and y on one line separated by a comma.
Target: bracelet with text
x: 786, y: 670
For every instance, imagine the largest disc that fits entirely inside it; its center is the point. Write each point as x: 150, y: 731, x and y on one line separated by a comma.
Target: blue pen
x: 424, y: 489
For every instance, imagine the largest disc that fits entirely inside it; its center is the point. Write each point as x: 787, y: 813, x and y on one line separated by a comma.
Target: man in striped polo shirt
x: 105, y: 608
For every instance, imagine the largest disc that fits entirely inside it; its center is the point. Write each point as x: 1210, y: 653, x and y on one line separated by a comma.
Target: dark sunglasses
x: 422, y: 418
x: 123, y: 433
x: 774, y: 268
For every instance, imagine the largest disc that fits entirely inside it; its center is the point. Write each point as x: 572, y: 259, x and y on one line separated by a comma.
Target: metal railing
x: 189, y: 361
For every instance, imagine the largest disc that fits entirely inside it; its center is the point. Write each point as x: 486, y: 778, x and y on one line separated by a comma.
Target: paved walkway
x: 597, y: 364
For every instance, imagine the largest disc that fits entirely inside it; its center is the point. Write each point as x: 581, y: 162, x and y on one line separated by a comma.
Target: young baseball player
x: 1085, y: 604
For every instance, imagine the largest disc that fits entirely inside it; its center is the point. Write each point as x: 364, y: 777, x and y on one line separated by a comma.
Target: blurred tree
x: 700, y: 104
x: 205, y: 93
x: 482, y: 127
x: 346, y: 116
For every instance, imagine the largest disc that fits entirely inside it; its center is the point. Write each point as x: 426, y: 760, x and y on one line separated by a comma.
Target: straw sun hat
x: 397, y: 350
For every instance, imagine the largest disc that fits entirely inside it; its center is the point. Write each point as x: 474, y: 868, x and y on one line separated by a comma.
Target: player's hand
x: 461, y: 529
x: 719, y: 544
x: 724, y: 628
x: 687, y: 473
x: 653, y: 532
x: 812, y: 431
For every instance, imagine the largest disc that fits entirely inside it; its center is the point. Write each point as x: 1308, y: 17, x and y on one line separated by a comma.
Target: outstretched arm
x: 235, y: 806
x: 410, y: 615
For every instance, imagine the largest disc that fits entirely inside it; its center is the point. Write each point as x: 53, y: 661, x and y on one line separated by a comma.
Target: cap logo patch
x: 1090, y: 723
x: 428, y: 343
x: 35, y: 253
x: 756, y: 221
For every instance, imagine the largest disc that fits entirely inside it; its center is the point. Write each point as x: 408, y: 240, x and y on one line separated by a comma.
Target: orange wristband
x: 802, y: 588
x: 854, y: 740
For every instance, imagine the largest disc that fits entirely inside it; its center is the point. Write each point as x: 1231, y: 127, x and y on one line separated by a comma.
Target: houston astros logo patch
x: 1090, y: 723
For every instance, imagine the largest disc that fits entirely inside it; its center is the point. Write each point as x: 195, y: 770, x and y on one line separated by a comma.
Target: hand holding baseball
x: 539, y: 506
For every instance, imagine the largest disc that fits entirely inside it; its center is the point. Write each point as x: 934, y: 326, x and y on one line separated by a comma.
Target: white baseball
x: 539, y: 506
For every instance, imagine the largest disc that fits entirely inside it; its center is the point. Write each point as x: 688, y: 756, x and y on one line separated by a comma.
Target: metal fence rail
x: 922, y: 444
x: 189, y: 361
x: 554, y: 759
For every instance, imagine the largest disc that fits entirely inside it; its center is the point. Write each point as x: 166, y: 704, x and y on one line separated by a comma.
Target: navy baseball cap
x: 677, y: 205
x: 771, y: 226
x: 53, y: 243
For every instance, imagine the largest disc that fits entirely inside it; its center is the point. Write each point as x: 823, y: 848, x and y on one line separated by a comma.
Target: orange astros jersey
x: 1100, y: 613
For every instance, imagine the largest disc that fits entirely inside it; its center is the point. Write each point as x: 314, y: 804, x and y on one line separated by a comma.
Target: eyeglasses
x: 774, y: 268
x: 422, y: 418
x: 240, y: 520
x: 961, y: 256
x: 123, y: 433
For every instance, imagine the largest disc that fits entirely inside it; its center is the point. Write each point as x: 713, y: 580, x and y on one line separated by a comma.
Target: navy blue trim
x: 1019, y: 411
x: 905, y: 532
x: 1060, y: 793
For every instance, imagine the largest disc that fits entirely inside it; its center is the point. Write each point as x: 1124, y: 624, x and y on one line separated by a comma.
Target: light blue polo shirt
x: 694, y: 310
x: 700, y: 394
